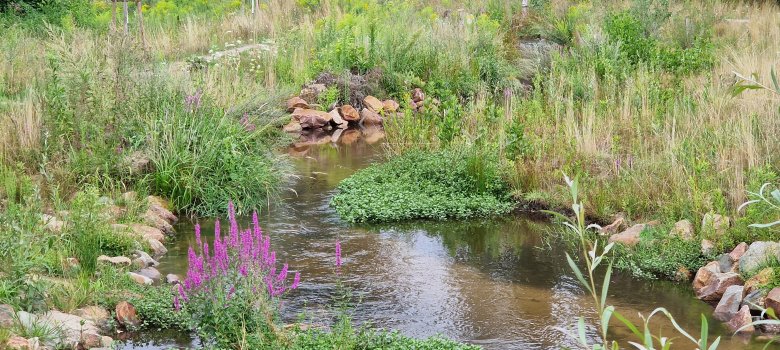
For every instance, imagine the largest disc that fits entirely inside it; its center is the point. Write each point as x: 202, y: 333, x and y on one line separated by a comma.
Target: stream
x: 496, y: 283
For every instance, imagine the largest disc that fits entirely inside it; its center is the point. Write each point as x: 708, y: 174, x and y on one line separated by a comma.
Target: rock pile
x: 80, y: 330
x: 738, y: 302
x: 305, y: 117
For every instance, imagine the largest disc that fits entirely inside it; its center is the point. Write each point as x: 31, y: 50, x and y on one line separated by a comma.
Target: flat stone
x: 151, y: 273
x: 729, y: 304
x: 96, y: 314
x: 75, y: 330
x: 683, y: 229
x: 742, y: 319
x: 147, y: 232
x: 614, y: 227
x: 157, y: 247
x: 629, y: 237
x: 116, y: 260
x: 141, y: 259
x: 140, y: 279
x: 758, y: 254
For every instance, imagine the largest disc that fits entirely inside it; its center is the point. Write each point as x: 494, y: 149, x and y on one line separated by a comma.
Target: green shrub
x: 420, y: 185
x: 659, y: 255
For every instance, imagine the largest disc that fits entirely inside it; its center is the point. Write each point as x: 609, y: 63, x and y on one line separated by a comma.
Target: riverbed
x: 498, y: 283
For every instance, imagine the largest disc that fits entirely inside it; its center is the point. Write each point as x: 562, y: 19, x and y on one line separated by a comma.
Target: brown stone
x: 155, y: 200
x: 16, y: 342
x: 740, y: 320
x: 629, y: 237
x: 292, y: 127
x: 349, y: 113
x: 7, y: 316
x: 369, y: 117
x: 116, y: 260
x: 682, y: 274
x: 337, y: 120
x: 614, y: 227
x: 738, y: 252
x: 296, y: 102
x: 683, y: 229
x: 126, y: 315
x: 310, y: 118
x: 772, y: 300
x: 140, y: 279
x: 717, y: 285
x: 147, y: 232
x: 350, y: 136
x: 162, y: 212
x: 705, y: 274
x: 157, y: 247
x: 311, y: 92
x: 729, y: 303
x: 93, y: 313
x: 373, y: 104
x: 417, y: 95
x: 373, y: 135
x: 715, y: 222
x: 759, y: 280
x: 151, y: 219
x: 390, y: 106
x: 707, y: 247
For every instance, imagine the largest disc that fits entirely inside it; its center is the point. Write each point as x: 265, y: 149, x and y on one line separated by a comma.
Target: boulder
x: 7, y: 318
x: 140, y: 279
x: 52, y: 224
x: 369, y: 117
x: 717, y: 285
x: 759, y: 280
x: 141, y: 259
x: 742, y: 319
x: 96, y: 314
x: 156, y: 209
x: 707, y: 247
x: 758, y: 254
x: 373, y: 103
x: 296, y: 102
x: 151, y: 219
x: 725, y: 263
x: 337, y: 120
x: 715, y: 223
x: 147, y: 232
x: 755, y: 300
x: 336, y: 135
x: 74, y: 329
x: 705, y: 274
x: 116, y: 260
x: 172, y: 279
x: 106, y: 341
x: 738, y: 252
x: 349, y: 113
x: 151, y: 273
x: 126, y: 315
x: 729, y: 304
x: 418, y: 95
x: 155, y: 200
x: 772, y: 300
x: 614, y: 227
x: 629, y: 237
x: 683, y: 229
x: 16, y: 342
x: 310, y: 118
x: 390, y: 106
x: 157, y: 248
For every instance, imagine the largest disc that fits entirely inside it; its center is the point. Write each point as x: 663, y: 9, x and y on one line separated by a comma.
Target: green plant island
x: 116, y: 115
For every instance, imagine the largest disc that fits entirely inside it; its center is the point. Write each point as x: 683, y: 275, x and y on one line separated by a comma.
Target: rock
x: 156, y: 209
x: 96, y: 314
x: 350, y: 136
x: 157, y: 248
x: 369, y: 117
x: 771, y: 328
x: 310, y: 118
x: 151, y: 219
x: 683, y: 229
x: 126, y: 315
x: 312, y: 91
x: 172, y: 279
x: 373, y: 103
x: 417, y: 95
x: 147, y: 232
x: 7, y: 316
x: 759, y: 280
x: 629, y: 237
x: 729, y: 304
x: 725, y: 263
x: 757, y: 255
x: 296, y: 102
x: 137, y: 163
x: 16, y: 342
x: 772, y: 300
x: 75, y: 330
x: 140, y: 279
x: 740, y: 320
x: 116, y: 260
x: 52, y: 224
x: 717, y: 285
x: 106, y: 341
x: 715, y: 223
x: 349, y: 113
x: 337, y: 120
x: 738, y: 252
x: 705, y: 274
x: 755, y: 300
x: 141, y: 259
x: 151, y: 273
x: 707, y: 247
x: 390, y: 106
x: 26, y: 319
x: 155, y: 200
x: 614, y: 227
x: 292, y: 127
x: 682, y: 274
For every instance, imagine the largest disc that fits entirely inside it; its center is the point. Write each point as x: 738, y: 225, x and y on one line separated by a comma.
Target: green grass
x: 419, y: 185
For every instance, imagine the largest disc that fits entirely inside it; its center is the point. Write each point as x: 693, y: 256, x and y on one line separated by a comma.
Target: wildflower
x: 338, y: 254
x: 296, y: 281
x: 176, y: 304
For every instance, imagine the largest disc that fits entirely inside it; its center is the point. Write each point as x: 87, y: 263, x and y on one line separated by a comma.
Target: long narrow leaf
x: 578, y: 273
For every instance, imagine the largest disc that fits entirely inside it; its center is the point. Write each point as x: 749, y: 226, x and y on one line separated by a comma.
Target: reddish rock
x: 349, y: 113
x: 296, y: 102
x: 16, y: 342
x: 369, y: 117
x: 629, y: 237
x: 705, y: 274
x: 157, y: 248
x: 151, y: 219
x: 292, y: 127
x: 772, y: 300
x: 156, y: 209
x: 7, y: 316
x: 116, y: 260
x: 728, y: 306
x: 310, y: 118
x: 717, y: 285
x: 614, y: 227
x: 417, y: 95
x: 740, y: 320
x: 373, y: 104
x: 738, y: 252
x: 337, y: 120
x: 390, y: 106
x: 126, y: 315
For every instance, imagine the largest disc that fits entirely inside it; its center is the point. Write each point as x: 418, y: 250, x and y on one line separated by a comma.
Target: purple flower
x: 197, y: 236
x: 176, y: 305
x: 296, y: 281
x: 338, y: 253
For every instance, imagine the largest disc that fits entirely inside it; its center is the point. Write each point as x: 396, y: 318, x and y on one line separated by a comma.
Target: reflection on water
x: 489, y: 282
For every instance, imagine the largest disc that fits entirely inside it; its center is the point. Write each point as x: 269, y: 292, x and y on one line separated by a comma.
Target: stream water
x: 497, y: 283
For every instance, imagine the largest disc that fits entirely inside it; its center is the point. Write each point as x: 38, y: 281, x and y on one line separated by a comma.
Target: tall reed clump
x: 233, y: 287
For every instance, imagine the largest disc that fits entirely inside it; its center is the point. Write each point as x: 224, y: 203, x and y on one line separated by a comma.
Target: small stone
x: 336, y: 135
x: 130, y: 196
x: 729, y: 304
x: 296, y: 102
x: 157, y: 248
x: 715, y: 222
x: 738, y: 252
x: 725, y: 263
x: 151, y: 273
x: 311, y: 92
x: 116, y: 260
x: 126, y: 315
x: 70, y: 265
x: 172, y: 278
x: 151, y: 219
x: 7, y: 316
x: 390, y: 106
x: 141, y: 259
x: 740, y: 320
x: 373, y: 103
x: 140, y: 279
x: 369, y: 117
x: 629, y: 237
x: 52, y: 224
x: 349, y: 113
x: 417, y: 95
x: 682, y: 274
x: 683, y: 229
x: 106, y: 341
x: 337, y: 120
x: 707, y: 247
x: 155, y: 200
x: 156, y: 209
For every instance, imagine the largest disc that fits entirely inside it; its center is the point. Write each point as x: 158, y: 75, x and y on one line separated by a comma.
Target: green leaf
x: 581, y: 332
x: 765, y: 225
x: 773, y: 74
x: 605, y: 285
x: 628, y: 324
x: 577, y: 272
x: 705, y: 329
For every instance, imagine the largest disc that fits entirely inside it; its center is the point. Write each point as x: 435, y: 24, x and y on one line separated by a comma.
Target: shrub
x: 420, y: 185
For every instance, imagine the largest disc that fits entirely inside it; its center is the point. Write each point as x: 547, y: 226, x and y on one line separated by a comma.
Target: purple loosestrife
x: 232, y: 269
x: 338, y: 254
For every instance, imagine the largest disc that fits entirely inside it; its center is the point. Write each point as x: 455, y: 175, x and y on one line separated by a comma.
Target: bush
x: 659, y: 255
x: 420, y: 185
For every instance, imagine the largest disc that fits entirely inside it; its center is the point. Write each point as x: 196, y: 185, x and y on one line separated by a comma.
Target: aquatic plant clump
x: 233, y: 286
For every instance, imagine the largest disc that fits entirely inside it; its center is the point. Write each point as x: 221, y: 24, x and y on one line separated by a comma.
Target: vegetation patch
x: 424, y: 185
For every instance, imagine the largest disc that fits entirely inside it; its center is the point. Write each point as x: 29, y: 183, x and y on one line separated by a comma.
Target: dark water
x: 496, y: 283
